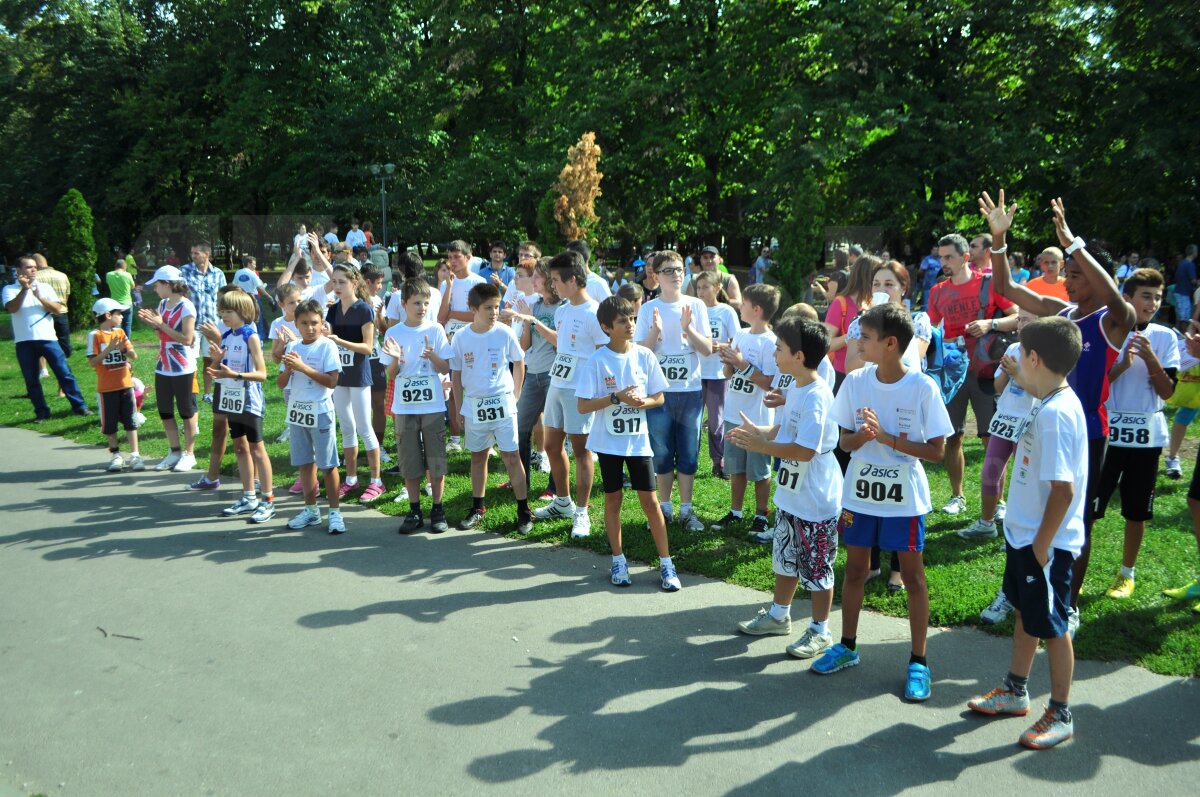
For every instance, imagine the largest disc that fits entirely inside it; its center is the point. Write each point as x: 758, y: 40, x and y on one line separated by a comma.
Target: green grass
x: 1148, y: 630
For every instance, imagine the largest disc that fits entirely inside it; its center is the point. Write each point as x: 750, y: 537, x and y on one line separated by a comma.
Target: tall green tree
x: 71, y: 248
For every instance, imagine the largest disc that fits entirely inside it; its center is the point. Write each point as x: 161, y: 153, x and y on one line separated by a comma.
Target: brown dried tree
x: 578, y: 187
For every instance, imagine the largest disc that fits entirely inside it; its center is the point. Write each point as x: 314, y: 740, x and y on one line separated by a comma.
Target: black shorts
x: 1096, y: 448
x: 117, y: 405
x: 247, y: 426
x: 641, y: 473
x: 981, y: 395
x: 1135, y: 472
x: 171, y: 392
x: 1041, y: 596
x: 1194, y: 488
x: 378, y: 376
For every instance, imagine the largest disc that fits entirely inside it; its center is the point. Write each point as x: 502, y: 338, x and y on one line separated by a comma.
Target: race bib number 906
x: 233, y: 400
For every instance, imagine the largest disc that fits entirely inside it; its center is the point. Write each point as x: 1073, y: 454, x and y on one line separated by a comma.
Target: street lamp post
x: 382, y: 173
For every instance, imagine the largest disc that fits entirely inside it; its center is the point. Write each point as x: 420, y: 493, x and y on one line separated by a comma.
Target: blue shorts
x: 1185, y: 415
x: 1041, y: 594
x: 905, y: 534
x: 315, y: 445
x: 675, y: 432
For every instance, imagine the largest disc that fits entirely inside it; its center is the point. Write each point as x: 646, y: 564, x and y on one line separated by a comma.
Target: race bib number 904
x: 882, y: 485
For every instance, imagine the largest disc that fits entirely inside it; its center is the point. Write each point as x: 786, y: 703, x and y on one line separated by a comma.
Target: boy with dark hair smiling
x: 1044, y: 529
x: 891, y: 419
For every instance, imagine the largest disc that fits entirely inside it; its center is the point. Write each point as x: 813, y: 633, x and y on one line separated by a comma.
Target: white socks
x: 1128, y: 573
x: 780, y: 613
x: 819, y: 628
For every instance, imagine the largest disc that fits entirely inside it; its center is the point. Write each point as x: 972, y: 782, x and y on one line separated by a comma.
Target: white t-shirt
x: 676, y: 355
x: 394, y: 311
x: 247, y: 280
x: 744, y: 395
x: 1131, y: 392
x: 806, y: 420
x: 32, y: 321
x: 597, y: 288
x: 1053, y: 448
x: 579, y: 335
x: 483, y: 359
x: 1014, y: 401
x: 723, y: 324
x: 911, y: 406
x: 922, y: 330
x: 280, y: 323
x: 620, y: 430
x: 784, y: 382
x: 418, y: 388
x: 322, y: 356
x: 318, y: 278
x: 458, y: 300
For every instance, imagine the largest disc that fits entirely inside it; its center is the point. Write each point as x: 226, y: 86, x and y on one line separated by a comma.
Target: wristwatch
x: 1075, y: 246
x: 993, y: 325
x: 612, y: 399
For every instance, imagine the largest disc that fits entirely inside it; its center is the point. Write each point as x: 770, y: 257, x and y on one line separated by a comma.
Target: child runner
x: 538, y: 339
x: 578, y: 336
x: 1186, y: 400
x: 750, y: 364
x: 487, y: 391
x: 282, y: 332
x: 239, y: 377
x: 891, y: 418
x: 415, y: 352
x: 455, y: 313
x: 723, y: 324
x: 352, y: 329
x: 676, y: 328
x: 619, y: 383
x: 175, y: 372
x: 311, y: 367
x: 1191, y: 590
x: 373, y: 278
x: 1044, y: 529
x: 109, y: 352
x: 213, y: 334
x: 1142, y: 379
x: 808, y: 490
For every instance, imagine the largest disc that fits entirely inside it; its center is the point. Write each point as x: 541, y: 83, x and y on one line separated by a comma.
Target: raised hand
x: 1193, y: 343
x: 393, y: 350
x: 523, y: 307
x: 209, y: 330
x: 1009, y: 365
x: 870, y: 425
x: 428, y: 352
x: 286, y: 334
x: 656, y: 322
x: 1065, y: 237
x: 998, y: 219
x: 499, y: 283
x: 685, y: 316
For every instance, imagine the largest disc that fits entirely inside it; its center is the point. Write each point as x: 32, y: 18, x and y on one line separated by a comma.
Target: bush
x: 71, y: 249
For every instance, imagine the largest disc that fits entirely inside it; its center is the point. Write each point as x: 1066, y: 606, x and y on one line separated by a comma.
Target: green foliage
x: 71, y: 249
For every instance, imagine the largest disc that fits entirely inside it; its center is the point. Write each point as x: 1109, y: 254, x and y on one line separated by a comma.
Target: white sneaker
x: 243, y: 506
x: 309, y: 516
x: 265, y: 511
x: 402, y: 496
x: 428, y: 489
x: 1173, y: 469
x: 582, y: 525
x: 979, y: 530
x: 169, y: 461
x: 555, y: 510
x: 691, y: 522
x: 620, y: 575
x: 185, y: 463
x: 454, y: 446
x: 997, y: 610
x: 543, y: 462
x: 385, y: 458
x: 955, y: 505
x: 116, y: 464
x: 1001, y: 512
x: 135, y: 462
x: 139, y: 420
x: 336, y: 524
x: 670, y: 579
x: 1072, y: 621
x: 285, y: 435
x: 44, y: 374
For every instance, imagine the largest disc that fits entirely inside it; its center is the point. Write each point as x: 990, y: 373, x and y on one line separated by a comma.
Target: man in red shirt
x: 955, y: 303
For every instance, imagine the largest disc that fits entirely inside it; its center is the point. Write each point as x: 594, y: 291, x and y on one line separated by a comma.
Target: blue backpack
x: 946, y: 364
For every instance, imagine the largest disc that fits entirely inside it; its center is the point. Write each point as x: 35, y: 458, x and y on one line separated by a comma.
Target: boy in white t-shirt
x: 1141, y: 379
x: 808, y: 489
x: 577, y: 337
x: 310, y: 372
x: 890, y: 420
x: 618, y: 385
x: 455, y: 313
x: 487, y: 393
x: 750, y: 367
x: 1044, y: 529
x: 415, y: 352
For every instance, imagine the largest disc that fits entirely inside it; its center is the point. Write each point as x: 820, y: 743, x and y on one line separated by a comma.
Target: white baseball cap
x: 105, y: 306
x: 166, y: 274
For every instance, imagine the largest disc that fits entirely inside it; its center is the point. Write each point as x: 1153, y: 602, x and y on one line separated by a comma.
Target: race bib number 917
x: 626, y: 421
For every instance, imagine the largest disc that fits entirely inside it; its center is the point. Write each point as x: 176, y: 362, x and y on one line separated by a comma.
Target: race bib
x: 740, y: 383
x: 374, y: 350
x: 114, y: 357
x: 676, y: 368
x: 625, y: 421
x: 233, y: 400
x: 791, y: 475
x: 1134, y: 430
x: 564, y: 366
x: 453, y: 327
x: 490, y: 411
x: 417, y: 390
x: 880, y: 485
x: 1008, y: 427
x: 715, y: 329
x: 345, y: 357
x: 785, y: 381
x: 302, y: 413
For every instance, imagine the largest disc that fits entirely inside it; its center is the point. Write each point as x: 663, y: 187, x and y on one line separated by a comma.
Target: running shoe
x: 243, y: 506
x: 543, y: 462
x: 555, y: 510
x: 838, y: 657
x: 1072, y: 621
x: 413, y: 522
x: 437, y: 522
x: 135, y: 463
x: 1173, y: 469
x: 116, y: 464
x: 373, y: 491
x: 1000, y: 701
x: 763, y: 624
x: 1187, y: 592
x: 1048, y: 732
x: 997, y: 610
x: 546, y: 496
x: 309, y: 516
x: 264, y: 512
x: 726, y: 522
x: 385, y: 458
x: 581, y: 526
x: 402, y: 496
x: 759, y: 531
x: 691, y: 522
x: 347, y: 488
x: 955, y: 505
x: 472, y: 520
x: 979, y: 530
x: 670, y: 578
x: 204, y: 484
x: 285, y: 435
x: 169, y: 461
x: 185, y: 463
x: 1001, y: 512
x: 392, y: 471
x: 337, y: 524
x: 297, y: 487
x: 620, y: 574
x: 917, y: 685
x: 506, y: 486
x: 454, y: 446
x: 207, y: 399
x: 810, y: 644
x: 524, y: 523
x: 1122, y: 587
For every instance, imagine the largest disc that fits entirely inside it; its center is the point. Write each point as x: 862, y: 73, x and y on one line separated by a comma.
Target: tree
x: 71, y: 249
x: 578, y: 189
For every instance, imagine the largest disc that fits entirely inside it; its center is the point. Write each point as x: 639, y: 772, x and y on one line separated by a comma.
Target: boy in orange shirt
x: 110, y: 353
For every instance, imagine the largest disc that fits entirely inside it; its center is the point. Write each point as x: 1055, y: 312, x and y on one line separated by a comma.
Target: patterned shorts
x: 805, y: 549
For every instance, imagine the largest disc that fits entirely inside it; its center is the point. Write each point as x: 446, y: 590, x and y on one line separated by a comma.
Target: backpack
x: 946, y: 365
x: 990, y: 348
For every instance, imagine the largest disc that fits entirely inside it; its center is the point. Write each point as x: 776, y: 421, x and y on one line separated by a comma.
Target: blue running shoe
x: 838, y: 657
x: 917, y: 688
